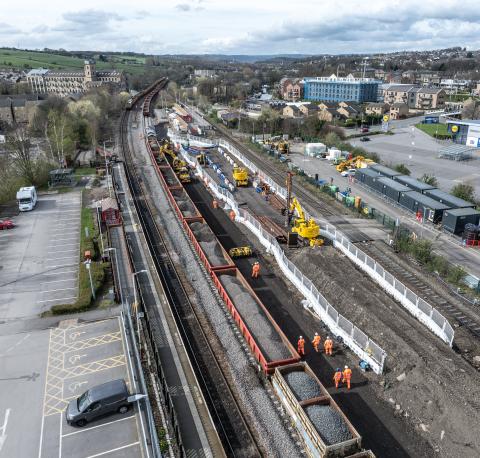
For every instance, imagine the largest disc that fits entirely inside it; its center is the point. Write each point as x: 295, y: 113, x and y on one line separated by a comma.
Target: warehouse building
x: 64, y: 83
x: 335, y: 89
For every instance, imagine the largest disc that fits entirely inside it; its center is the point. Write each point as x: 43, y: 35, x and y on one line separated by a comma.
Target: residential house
x: 398, y: 110
x: 308, y: 109
x: 376, y: 108
x: 428, y: 98
x: 399, y: 93
x: 292, y: 111
x: 349, y: 110
x: 328, y: 114
x: 327, y: 105
x: 18, y: 108
x: 291, y: 89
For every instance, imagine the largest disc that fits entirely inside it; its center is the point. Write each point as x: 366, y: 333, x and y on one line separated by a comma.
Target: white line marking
x: 61, y: 257
x: 66, y: 251
x: 60, y: 437
x: 59, y: 299
x: 3, y: 436
x: 75, y: 386
x: 98, y: 426
x: 68, y: 239
x: 9, y: 349
x: 114, y: 450
x: 61, y: 265
x: 44, y: 397
x: 59, y: 281
x: 61, y: 273
x: 55, y: 290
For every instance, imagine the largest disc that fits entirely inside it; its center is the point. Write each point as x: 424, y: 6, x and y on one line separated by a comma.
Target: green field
x: 35, y: 59
x: 432, y: 129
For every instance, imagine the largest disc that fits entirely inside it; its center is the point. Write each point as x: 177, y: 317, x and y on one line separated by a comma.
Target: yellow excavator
x: 240, y: 176
x: 283, y: 147
x: 307, y: 229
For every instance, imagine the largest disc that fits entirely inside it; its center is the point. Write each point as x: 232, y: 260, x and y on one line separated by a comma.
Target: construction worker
x: 255, y: 269
x: 316, y: 341
x: 337, y: 377
x: 347, y: 375
x: 328, y: 345
x: 215, y: 203
x: 301, y: 346
x: 232, y: 215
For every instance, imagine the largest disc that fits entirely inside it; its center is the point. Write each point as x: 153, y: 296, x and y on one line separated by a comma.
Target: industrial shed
x: 448, y: 199
x: 385, y: 171
x: 431, y: 209
x: 413, y: 184
x: 454, y: 220
x: 390, y: 188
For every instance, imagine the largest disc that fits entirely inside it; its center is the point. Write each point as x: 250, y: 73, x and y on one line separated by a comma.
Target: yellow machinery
x: 178, y: 164
x: 240, y: 176
x: 283, y: 147
x: 184, y: 175
x: 240, y: 252
x: 308, y: 230
x: 202, y: 159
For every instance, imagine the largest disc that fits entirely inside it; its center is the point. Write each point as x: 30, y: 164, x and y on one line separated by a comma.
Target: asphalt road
x: 39, y: 262
x: 42, y: 371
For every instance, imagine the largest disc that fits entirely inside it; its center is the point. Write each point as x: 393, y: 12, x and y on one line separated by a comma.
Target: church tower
x: 90, y: 71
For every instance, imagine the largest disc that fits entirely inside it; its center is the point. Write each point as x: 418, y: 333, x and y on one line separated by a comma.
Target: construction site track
x: 438, y: 296
x: 226, y: 414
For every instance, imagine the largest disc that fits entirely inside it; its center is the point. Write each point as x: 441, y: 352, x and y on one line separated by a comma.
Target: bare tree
x: 19, y: 151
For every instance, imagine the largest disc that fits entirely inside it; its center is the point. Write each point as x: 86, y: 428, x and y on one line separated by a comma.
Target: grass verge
x: 434, y: 130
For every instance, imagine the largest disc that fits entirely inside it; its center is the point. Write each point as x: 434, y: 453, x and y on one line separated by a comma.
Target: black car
x: 101, y: 400
x: 364, y: 139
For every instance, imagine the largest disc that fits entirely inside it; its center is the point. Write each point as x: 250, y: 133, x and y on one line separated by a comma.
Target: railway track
x: 444, y: 301
x: 226, y: 414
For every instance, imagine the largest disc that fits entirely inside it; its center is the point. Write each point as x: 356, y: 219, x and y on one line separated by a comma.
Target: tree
x: 429, y: 179
x: 464, y: 191
x: 19, y: 151
x: 402, y: 168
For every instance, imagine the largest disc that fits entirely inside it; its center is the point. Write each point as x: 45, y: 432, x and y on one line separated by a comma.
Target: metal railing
x: 423, y: 311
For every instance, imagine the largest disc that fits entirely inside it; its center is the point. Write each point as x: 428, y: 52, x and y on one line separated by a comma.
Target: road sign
x: 454, y: 129
x: 385, y: 118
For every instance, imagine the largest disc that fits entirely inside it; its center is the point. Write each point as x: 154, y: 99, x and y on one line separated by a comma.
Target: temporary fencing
x: 420, y: 309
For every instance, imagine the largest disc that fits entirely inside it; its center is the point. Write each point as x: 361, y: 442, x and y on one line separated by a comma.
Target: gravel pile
x: 265, y: 334
x: 271, y: 430
x: 303, y: 385
x: 329, y: 424
x: 186, y: 207
x: 209, y: 244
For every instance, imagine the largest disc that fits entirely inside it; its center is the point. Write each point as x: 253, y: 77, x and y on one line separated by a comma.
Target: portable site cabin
x: 454, y: 220
x: 430, y: 209
x: 413, y: 184
x: 448, y: 199
x: 385, y: 171
x: 110, y: 214
x: 390, y: 188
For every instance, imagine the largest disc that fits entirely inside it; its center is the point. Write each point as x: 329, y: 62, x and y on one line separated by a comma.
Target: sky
x: 241, y: 26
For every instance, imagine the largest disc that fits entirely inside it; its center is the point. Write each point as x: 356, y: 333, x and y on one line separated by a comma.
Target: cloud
x: 191, y: 5
x: 183, y: 7
x: 7, y: 29
x: 87, y: 21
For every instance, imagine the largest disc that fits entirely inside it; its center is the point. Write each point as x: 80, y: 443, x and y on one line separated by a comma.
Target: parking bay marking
x: 59, y: 299
x: 99, y: 426
x: 114, y: 450
x: 3, y: 429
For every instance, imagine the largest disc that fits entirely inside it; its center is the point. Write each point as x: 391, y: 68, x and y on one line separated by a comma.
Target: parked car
x: 364, y: 139
x: 101, y: 400
x: 6, y: 224
x: 364, y: 129
x: 348, y: 173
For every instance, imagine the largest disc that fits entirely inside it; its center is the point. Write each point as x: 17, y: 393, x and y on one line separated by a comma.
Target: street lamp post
x: 87, y: 266
x: 118, y: 271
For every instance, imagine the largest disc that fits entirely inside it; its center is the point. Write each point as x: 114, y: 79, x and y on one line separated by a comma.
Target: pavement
x: 42, y: 370
x: 39, y: 263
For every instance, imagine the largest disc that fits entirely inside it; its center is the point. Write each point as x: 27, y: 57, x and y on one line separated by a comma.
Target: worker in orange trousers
x: 328, y: 345
x: 301, y: 346
x: 316, y: 341
x: 232, y: 215
x: 215, y: 203
x: 337, y: 377
x: 347, y: 376
x: 256, y: 270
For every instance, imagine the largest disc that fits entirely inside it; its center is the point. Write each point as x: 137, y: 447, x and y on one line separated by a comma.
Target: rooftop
x: 334, y: 78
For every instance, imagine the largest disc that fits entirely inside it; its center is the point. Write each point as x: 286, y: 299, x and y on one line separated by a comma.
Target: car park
x: 6, y: 224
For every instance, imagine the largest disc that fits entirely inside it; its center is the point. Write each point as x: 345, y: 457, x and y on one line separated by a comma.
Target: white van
x: 27, y: 198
